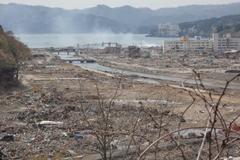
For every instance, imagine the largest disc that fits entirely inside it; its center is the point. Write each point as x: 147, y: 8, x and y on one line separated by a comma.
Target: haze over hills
x: 141, y: 16
x: 38, y: 19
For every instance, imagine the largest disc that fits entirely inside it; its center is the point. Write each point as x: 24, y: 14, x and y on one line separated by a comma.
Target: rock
x: 182, y: 120
x: 7, y: 138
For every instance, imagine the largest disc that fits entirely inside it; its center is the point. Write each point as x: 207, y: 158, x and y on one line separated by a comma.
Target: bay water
x: 90, y: 40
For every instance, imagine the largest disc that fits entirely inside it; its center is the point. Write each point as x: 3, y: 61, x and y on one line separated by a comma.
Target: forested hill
x: 39, y: 19
x: 226, y: 24
x: 13, y: 53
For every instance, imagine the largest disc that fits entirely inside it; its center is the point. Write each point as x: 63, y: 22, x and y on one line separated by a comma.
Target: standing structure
x: 168, y: 30
x: 215, y: 44
x: 225, y: 43
x: 185, y: 45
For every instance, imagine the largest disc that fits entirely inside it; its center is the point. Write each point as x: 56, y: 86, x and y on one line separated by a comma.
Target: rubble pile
x: 211, y: 65
x: 51, y: 125
x: 64, y: 111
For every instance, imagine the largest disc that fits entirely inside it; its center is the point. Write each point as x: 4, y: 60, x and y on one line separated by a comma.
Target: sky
x: 81, y: 4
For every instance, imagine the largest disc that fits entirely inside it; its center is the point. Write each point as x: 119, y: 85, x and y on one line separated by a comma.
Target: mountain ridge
x: 222, y: 25
x: 40, y: 19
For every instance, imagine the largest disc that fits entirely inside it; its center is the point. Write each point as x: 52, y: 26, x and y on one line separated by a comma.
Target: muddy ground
x: 108, y: 113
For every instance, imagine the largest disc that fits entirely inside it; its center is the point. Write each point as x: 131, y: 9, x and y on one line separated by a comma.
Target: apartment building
x: 184, y: 45
x: 225, y: 43
x: 168, y: 30
x: 215, y: 44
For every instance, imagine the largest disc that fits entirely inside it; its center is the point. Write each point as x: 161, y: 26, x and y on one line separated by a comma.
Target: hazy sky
x: 80, y: 4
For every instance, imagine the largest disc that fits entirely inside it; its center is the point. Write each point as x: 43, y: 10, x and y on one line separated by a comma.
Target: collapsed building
x: 112, y: 50
x: 133, y: 52
x: 232, y: 54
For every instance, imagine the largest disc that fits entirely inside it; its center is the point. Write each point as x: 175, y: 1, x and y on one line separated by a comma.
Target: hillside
x: 38, y: 19
x: 140, y: 16
x: 13, y: 53
x: 226, y: 24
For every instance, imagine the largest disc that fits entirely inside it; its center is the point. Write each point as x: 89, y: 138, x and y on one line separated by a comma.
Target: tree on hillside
x: 222, y: 25
x: 237, y: 28
x: 13, y: 53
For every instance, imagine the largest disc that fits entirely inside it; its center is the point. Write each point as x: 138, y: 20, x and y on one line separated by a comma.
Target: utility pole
x: 78, y: 51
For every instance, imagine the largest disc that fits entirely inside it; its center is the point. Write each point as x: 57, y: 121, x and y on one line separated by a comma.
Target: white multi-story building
x: 185, y: 45
x: 215, y: 44
x: 225, y: 43
x: 168, y: 30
